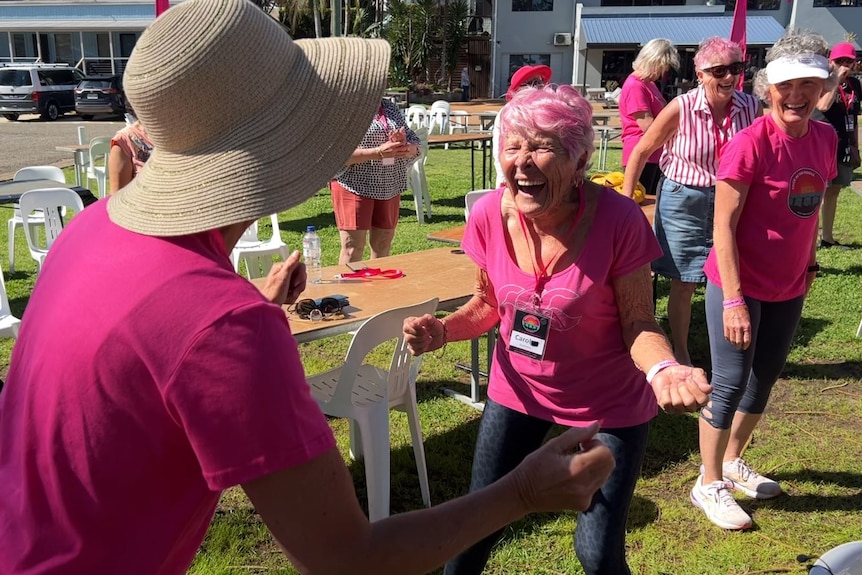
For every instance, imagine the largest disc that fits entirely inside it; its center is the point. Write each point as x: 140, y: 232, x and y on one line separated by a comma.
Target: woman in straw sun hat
x: 124, y: 418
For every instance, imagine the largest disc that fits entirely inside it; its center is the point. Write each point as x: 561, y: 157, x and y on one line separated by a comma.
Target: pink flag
x: 737, y: 30
x: 161, y: 6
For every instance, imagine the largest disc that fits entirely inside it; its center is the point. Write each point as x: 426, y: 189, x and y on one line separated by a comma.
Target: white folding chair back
x: 439, y: 117
x: 29, y: 173
x: 470, y: 198
x: 416, y: 117
x: 257, y: 252
x: 459, y: 121
x: 97, y: 167
x: 9, y: 324
x: 417, y: 181
x: 365, y: 393
x: 51, y: 202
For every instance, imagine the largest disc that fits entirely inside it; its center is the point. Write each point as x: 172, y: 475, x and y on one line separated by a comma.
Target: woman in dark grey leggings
x: 506, y: 437
x: 770, y: 183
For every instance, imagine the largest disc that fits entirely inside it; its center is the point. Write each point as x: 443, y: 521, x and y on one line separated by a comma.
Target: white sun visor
x: 793, y: 67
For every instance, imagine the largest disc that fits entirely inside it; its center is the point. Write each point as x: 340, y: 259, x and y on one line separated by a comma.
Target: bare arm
x: 660, y: 131
x: 313, y: 513
x: 729, y: 199
x: 120, y: 169
x: 678, y: 388
x: 474, y: 318
x: 644, y: 120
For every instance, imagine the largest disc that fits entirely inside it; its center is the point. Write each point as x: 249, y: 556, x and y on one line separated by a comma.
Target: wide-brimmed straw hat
x: 244, y: 121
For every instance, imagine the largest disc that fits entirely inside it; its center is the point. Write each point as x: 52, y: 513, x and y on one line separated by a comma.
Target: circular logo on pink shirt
x: 806, y: 191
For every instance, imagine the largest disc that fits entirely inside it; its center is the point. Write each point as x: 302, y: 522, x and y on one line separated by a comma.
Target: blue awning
x: 681, y: 30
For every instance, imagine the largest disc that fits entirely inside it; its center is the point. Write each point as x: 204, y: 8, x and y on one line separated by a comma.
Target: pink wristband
x: 653, y: 371
x: 733, y: 302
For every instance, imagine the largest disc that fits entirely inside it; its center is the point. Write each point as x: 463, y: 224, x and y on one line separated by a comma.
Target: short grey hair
x: 795, y: 42
x: 656, y: 57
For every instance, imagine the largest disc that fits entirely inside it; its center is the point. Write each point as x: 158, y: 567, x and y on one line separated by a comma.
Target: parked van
x: 44, y: 89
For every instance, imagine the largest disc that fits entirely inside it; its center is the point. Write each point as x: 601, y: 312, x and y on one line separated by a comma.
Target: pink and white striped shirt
x: 690, y: 157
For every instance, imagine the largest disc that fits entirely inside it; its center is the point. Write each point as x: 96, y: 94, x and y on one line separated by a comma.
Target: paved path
x: 31, y: 142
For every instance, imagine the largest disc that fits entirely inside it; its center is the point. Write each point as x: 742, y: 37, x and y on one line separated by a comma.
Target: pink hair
x: 558, y: 110
x: 716, y: 49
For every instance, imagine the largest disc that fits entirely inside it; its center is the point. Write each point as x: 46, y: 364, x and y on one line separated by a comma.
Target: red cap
x: 843, y: 50
x: 524, y: 75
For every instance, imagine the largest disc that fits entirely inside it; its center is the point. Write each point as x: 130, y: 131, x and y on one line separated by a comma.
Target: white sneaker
x: 745, y: 479
x: 719, y: 505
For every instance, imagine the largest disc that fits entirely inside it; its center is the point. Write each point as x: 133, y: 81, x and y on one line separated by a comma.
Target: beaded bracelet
x: 653, y: 371
x: 733, y: 302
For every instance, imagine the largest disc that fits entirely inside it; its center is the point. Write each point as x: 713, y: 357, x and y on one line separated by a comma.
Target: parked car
x: 44, y: 89
x: 100, y: 95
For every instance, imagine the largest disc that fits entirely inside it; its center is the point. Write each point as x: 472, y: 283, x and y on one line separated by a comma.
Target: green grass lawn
x: 808, y: 440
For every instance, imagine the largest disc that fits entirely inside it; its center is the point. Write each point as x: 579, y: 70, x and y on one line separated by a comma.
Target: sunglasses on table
x: 721, y: 71
x: 324, y: 307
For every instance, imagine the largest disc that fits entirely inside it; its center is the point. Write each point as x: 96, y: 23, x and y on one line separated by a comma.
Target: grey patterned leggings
x: 506, y: 437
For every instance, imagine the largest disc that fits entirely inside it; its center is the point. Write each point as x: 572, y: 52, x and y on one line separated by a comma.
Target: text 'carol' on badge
x: 529, y: 334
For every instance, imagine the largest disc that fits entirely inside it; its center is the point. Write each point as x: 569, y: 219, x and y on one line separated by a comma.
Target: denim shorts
x: 683, y: 226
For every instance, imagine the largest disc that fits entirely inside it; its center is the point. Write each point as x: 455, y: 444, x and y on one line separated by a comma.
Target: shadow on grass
x: 829, y: 371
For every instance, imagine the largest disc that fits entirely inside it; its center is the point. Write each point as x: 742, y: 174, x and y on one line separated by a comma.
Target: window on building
x: 643, y: 2
x: 729, y: 5
x: 831, y: 3
x: 127, y: 43
x: 64, y: 49
x: 5, y: 54
x: 616, y: 65
x: 532, y: 5
x: 518, y: 60
x: 24, y: 46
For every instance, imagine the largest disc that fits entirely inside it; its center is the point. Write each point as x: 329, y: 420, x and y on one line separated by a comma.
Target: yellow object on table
x: 615, y: 180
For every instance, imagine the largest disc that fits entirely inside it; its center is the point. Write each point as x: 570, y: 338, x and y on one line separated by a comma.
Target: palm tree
x: 294, y: 10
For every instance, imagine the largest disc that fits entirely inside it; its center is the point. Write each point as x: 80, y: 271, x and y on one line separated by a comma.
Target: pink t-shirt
x: 638, y: 95
x: 787, y: 178
x: 587, y: 373
x: 147, y: 378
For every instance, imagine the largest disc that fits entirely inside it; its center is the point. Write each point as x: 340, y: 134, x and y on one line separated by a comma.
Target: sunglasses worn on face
x: 310, y: 309
x: 721, y: 71
x: 844, y: 61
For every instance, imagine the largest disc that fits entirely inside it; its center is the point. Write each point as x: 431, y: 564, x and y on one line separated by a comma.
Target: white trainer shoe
x: 718, y: 504
x: 748, y: 481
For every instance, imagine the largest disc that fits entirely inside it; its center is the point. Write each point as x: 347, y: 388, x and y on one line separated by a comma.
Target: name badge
x: 849, y: 123
x: 387, y: 161
x: 529, y: 333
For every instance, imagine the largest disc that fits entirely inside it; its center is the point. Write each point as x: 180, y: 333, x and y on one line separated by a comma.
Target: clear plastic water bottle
x: 311, y: 254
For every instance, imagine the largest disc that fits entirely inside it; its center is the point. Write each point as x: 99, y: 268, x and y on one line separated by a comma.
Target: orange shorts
x: 353, y: 212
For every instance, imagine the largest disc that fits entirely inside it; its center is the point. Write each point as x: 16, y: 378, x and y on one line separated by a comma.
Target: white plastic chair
x: 416, y: 180
x: 459, y: 121
x: 9, y: 324
x: 365, y: 393
x: 97, y: 164
x: 470, y: 198
x: 256, y: 252
x: 51, y: 202
x: 439, y: 117
x: 30, y: 173
x: 416, y: 117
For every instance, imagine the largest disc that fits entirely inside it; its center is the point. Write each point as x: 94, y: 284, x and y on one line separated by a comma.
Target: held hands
x: 681, y: 388
x: 558, y: 476
x: 425, y: 333
x: 737, y: 326
x: 285, y: 280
